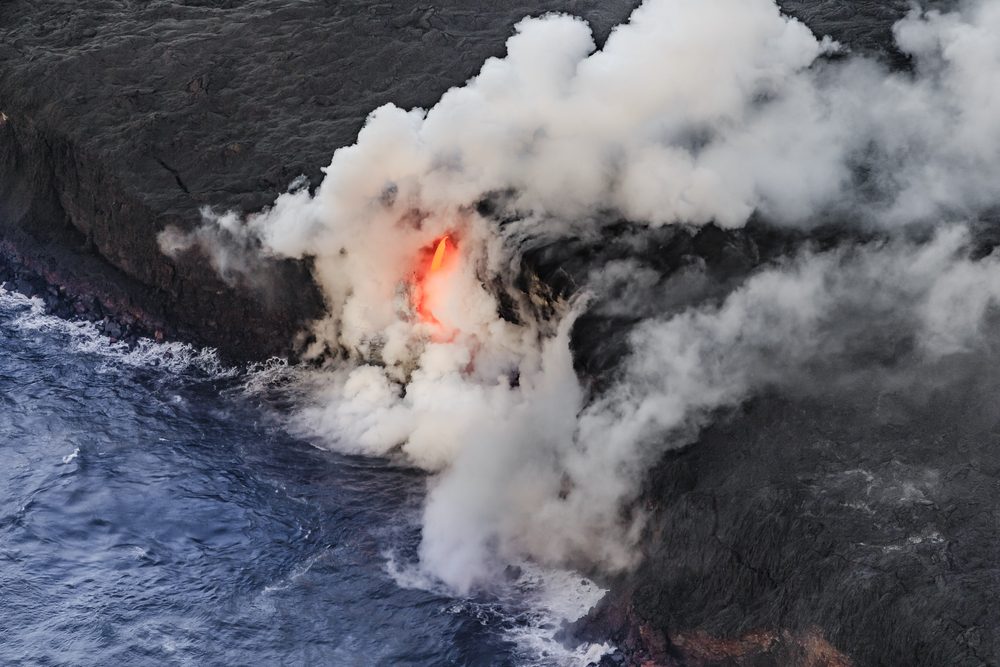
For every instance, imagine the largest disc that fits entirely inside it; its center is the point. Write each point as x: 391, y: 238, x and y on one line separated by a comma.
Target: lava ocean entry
x: 702, y: 305
x: 433, y: 282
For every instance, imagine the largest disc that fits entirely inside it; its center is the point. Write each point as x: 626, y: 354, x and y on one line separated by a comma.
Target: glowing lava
x: 432, y: 283
x: 439, y: 254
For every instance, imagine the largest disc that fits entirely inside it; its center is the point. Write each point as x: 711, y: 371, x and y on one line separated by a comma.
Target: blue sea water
x: 151, y: 512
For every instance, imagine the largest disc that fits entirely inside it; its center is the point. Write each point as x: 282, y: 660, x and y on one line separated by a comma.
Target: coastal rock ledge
x: 118, y: 119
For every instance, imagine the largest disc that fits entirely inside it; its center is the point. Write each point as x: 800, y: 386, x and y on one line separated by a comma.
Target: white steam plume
x: 695, y: 111
x: 534, y: 469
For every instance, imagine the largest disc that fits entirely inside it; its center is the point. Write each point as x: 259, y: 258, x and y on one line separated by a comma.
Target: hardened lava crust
x: 119, y: 118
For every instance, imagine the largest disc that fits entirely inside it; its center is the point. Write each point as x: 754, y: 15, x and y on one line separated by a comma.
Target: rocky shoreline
x: 63, y: 298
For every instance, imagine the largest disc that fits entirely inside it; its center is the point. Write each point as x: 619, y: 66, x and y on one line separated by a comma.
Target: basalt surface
x: 795, y: 531
x: 120, y: 118
x: 842, y: 519
x: 806, y: 531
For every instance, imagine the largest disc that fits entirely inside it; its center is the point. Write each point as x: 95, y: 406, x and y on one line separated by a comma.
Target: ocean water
x: 152, y: 512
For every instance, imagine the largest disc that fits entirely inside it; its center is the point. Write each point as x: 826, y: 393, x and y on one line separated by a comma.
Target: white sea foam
x: 553, y: 598
x: 536, y: 604
x: 27, y: 314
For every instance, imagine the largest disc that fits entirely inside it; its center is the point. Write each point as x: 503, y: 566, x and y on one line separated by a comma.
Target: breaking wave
x: 28, y: 314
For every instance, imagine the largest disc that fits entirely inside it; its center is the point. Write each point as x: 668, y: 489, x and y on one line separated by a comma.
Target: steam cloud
x: 693, y: 112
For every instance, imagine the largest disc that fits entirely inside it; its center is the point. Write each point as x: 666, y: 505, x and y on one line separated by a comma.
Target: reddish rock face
x: 806, y: 649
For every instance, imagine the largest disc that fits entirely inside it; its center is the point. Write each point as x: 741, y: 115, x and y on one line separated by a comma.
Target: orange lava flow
x: 439, y: 253
x: 428, y: 284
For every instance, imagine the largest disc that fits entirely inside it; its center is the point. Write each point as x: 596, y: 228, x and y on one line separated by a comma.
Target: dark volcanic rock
x: 867, y: 523
x: 120, y: 118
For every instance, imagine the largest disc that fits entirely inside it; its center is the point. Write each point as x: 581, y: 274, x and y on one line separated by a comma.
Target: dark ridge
x: 122, y: 118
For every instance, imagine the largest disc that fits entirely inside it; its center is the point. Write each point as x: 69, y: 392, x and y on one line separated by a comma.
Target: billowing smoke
x: 693, y: 112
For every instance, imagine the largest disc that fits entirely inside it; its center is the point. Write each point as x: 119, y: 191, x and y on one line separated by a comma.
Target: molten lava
x: 439, y: 254
x: 431, y: 283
